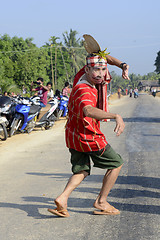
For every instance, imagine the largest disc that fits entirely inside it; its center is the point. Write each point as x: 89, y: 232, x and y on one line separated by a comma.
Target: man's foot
x: 60, y: 205
x: 60, y: 213
x: 61, y: 210
x: 112, y: 211
x: 105, y: 208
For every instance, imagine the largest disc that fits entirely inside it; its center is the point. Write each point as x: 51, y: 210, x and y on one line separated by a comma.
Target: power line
x: 31, y: 50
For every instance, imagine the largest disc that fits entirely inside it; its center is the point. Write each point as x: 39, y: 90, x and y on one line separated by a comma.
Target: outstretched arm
x: 99, y: 114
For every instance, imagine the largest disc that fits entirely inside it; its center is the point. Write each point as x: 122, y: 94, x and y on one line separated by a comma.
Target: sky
x: 128, y: 29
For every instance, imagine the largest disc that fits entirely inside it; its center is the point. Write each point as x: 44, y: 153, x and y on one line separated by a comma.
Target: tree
x: 73, y: 46
x: 157, y: 63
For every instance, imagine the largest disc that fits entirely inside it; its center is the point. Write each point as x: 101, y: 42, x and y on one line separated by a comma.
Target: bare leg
x: 73, y: 182
x: 108, y: 182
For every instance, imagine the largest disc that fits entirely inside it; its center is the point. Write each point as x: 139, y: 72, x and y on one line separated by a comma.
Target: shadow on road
x: 148, y: 182
x: 34, y: 203
x: 142, y: 119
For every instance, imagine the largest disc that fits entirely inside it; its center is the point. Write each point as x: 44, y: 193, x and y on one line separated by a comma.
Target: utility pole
x: 52, y: 66
x: 55, y: 73
x: 64, y: 63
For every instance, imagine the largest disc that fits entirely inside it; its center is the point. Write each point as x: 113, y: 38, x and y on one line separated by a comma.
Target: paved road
x: 36, y: 168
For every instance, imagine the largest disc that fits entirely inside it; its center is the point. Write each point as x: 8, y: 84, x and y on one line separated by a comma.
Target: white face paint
x: 95, y: 74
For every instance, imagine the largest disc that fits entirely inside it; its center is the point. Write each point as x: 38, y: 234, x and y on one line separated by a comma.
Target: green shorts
x: 106, y: 158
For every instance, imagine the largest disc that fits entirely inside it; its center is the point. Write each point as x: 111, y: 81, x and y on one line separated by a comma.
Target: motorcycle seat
x: 34, y: 109
x: 43, y: 111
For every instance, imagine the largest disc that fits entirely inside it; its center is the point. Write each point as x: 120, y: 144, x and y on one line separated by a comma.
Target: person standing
x: 66, y: 89
x: 119, y: 92
x: 84, y: 137
x: 136, y: 92
x: 154, y: 92
x: 130, y: 92
x: 41, y: 90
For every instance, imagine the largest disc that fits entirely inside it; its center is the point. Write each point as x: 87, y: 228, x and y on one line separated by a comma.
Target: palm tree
x: 8, y: 87
x: 73, y: 46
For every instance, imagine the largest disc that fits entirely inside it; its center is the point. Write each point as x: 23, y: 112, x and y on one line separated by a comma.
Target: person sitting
x: 5, y: 93
x: 50, y: 93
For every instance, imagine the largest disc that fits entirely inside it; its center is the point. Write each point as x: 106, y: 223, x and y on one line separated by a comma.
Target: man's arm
x: 45, y: 87
x: 49, y: 99
x: 31, y: 88
x: 114, y: 61
x: 99, y: 114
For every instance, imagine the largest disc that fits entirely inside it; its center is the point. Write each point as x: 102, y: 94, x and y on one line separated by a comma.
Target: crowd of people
x: 45, y: 93
x: 131, y: 92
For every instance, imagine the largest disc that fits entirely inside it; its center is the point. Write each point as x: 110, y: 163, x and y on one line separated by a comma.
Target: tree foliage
x: 22, y: 62
x: 157, y: 63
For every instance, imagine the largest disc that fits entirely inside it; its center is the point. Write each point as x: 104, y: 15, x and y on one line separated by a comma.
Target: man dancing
x: 83, y: 135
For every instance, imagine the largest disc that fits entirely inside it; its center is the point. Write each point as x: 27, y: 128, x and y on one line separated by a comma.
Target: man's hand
x: 119, y: 125
x: 125, y: 71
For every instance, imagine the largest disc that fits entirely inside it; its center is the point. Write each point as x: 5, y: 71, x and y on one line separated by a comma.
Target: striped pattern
x: 83, y: 133
x: 96, y: 61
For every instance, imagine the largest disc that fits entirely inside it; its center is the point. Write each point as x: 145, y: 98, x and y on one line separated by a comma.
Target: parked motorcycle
x: 63, y: 106
x: 3, y: 129
x: 29, y: 114
x: 48, y: 115
x: 7, y: 106
x: 25, y: 116
x: 6, y: 112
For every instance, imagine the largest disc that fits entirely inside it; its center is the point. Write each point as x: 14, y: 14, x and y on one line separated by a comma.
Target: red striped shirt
x: 83, y: 133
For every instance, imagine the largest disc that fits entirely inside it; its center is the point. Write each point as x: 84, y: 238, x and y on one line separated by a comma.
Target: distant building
x: 147, y: 85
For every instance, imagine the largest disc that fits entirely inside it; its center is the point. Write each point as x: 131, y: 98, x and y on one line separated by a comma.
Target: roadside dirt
x: 24, y: 141
x: 39, y: 137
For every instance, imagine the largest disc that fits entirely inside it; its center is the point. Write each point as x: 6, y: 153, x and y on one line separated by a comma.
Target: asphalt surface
x: 34, y: 169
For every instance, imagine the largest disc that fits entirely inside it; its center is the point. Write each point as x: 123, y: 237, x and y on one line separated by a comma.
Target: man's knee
x: 85, y: 173
x: 118, y: 168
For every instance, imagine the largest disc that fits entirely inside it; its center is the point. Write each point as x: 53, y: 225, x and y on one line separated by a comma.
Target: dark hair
x: 66, y: 84
x: 49, y: 83
x: 90, y: 55
x: 41, y: 79
x: 57, y: 93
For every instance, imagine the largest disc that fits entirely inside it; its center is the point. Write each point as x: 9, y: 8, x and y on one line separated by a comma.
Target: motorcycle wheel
x: 14, y: 127
x: 60, y: 113
x: 3, y: 132
x: 56, y: 114
x: 50, y: 123
x: 31, y: 126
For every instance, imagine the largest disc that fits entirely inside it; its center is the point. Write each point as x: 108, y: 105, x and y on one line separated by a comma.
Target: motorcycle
x: 25, y: 114
x: 29, y: 114
x: 3, y: 129
x: 63, y: 106
x: 48, y: 115
x: 6, y: 112
x: 135, y: 94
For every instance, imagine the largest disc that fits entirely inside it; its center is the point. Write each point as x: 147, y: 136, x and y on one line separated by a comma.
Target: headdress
x: 97, y: 56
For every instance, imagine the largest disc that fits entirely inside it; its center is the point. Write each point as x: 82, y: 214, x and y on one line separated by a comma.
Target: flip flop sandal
x: 107, y: 212
x: 60, y: 213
